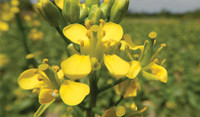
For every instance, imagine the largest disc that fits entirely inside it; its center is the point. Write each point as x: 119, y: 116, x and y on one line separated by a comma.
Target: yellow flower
x: 72, y: 93
x: 95, y: 43
x: 3, y: 60
x: 157, y: 73
x: 128, y: 88
x: 4, y: 26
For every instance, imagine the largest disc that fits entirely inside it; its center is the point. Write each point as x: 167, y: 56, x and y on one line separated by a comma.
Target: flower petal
x: 134, y: 70
x: 116, y: 66
x: 73, y: 93
x: 76, y: 33
x: 46, y: 96
x: 131, y: 90
x: 60, y: 3
x: 112, y: 32
x: 28, y: 79
x: 76, y: 66
x: 158, y: 73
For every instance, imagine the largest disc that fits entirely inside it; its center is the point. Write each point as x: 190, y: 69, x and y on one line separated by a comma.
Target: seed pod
x: 95, y: 15
x: 71, y: 11
x: 50, y: 12
x: 89, y: 3
x: 118, y: 10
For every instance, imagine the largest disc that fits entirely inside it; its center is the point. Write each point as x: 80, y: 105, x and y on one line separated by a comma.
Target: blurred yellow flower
x: 4, y: 26
x: 3, y: 60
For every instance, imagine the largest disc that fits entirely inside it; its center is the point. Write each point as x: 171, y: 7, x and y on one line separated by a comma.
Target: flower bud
x: 89, y: 3
x: 118, y: 10
x: 95, y: 15
x: 106, y: 7
x: 49, y: 12
x: 84, y: 11
x: 71, y: 11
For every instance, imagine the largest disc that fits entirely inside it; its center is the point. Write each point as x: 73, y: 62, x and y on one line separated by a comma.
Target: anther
x: 88, y: 34
x: 39, y: 78
x: 45, y: 61
x: 102, y: 22
x: 156, y: 60
x: 163, y: 45
x: 103, y: 33
x: 87, y: 24
x: 56, y: 68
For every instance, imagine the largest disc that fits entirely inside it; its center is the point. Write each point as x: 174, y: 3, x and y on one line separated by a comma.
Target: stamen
x: 163, y: 45
x: 88, y: 34
x: 39, y: 78
x: 56, y: 68
x: 156, y: 60
x: 45, y: 61
x: 103, y: 33
x: 87, y: 24
x: 102, y: 22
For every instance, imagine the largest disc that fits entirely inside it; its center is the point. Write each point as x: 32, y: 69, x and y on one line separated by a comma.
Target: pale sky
x: 152, y: 6
x: 175, y: 6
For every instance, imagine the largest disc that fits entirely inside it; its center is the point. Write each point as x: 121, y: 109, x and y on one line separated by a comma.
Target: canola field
x: 179, y: 97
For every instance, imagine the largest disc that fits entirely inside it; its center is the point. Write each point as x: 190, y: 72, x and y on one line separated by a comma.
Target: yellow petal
x: 131, y: 90
x: 76, y: 33
x: 112, y: 32
x: 76, y: 66
x: 59, y: 3
x: 116, y: 66
x: 134, y: 70
x: 28, y: 79
x: 73, y: 93
x: 110, y: 112
x: 160, y: 72
x: 60, y: 74
x: 157, y: 73
x: 46, y: 96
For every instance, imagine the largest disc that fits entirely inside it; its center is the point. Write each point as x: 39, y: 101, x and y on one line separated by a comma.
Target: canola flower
x: 50, y: 83
x: 94, y: 41
x: 100, y: 43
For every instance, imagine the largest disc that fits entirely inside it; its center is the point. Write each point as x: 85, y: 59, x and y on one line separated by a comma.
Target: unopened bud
x: 71, y: 49
x: 84, y: 11
x: 95, y: 15
x: 71, y: 10
x: 119, y: 10
x: 50, y: 12
x: 89, y: 3
x: 106, y: 7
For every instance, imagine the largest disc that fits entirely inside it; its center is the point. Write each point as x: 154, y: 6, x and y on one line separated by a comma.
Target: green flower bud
x: 84, y: 11
x: 71, y: 11
x: 95, y: 15
x: 119, y: 10
x: 49, y: 12
x: 106, y: 7
x: 89, y: 3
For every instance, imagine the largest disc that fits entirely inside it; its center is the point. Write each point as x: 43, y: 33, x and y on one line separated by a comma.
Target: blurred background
x: 177, y: 23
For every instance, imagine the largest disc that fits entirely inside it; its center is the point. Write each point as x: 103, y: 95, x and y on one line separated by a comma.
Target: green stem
x: 67, y: 41
x: 93, y: 94
x: 112, y: 84
x: 24, y: 39
x: 121, y: 98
